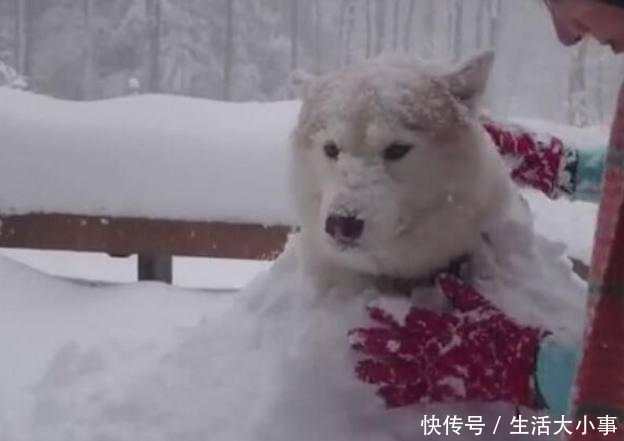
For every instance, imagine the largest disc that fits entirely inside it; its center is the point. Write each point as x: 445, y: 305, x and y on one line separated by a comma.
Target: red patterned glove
x: 544, y: 164
x: 474, y: 353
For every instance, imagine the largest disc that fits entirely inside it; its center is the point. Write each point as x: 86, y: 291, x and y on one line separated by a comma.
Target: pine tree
x: 22, y: 37
x: 578, y: 111
x: 228, y: 50
x: 368, y: 29
x: 428, y: 25
x: 350, y: 22
x: 294, y: 35
x: 395, y: 24
x: 153, y: 14
x: 494, y: 13
x: 409, y: 23
x: 380, y: 25
x: 458, y: 29
x: 89, y: 56
x: 481, y: 9
x: 318, y: 24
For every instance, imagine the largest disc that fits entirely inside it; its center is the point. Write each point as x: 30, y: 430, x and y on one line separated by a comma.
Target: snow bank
x: 151, y: 156
x: 570, y: 223
x: 276, y: 366
x: 43, y: 319
x: 269, y: 364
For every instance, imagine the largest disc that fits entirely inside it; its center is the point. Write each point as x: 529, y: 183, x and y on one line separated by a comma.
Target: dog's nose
x: 344, y: 228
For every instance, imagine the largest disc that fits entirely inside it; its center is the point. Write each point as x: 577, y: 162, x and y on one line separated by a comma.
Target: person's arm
x: 545, y: 163
x: 589, y: 175
x: 555, y: 372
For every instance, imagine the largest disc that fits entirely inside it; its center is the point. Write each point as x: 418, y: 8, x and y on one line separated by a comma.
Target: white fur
x: 420, y: 212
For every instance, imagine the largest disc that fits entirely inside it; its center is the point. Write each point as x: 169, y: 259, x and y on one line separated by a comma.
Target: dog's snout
x: 344, y: 228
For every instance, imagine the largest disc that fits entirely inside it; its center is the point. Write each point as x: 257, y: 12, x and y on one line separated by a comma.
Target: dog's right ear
x: 469, y: 81
x: 301, y: 82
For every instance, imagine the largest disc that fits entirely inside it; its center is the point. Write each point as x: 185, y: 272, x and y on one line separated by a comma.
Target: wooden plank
x: 158, y: 268
x: 126, y: 235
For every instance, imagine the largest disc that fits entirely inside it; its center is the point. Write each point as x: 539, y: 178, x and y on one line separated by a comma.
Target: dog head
x: 391, y: 169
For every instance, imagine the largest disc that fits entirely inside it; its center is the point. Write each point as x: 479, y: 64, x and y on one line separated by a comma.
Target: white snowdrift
x: 570, y: 223
x: 151, y: 156
x: 43, y: 319
x: 270, y: 364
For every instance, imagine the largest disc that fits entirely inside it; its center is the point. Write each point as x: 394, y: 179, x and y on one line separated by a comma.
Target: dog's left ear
x: 469, y: 81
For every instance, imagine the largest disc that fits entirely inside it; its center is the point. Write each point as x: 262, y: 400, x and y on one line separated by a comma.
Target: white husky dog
x: 393, y: 174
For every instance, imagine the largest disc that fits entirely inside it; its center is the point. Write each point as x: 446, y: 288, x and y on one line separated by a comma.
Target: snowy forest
x: 244, y: 50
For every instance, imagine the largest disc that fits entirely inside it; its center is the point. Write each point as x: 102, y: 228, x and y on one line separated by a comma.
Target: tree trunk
x: 22, y: 37
x: 495, y: 12
x: 153, y: 12
x: 380, y: 24
x: 458, y: 29
x: 479, y: 26
x: 228, y: 55
x: 317, y: 36
x: 450, y: 22
x: 369, y: 29
x: 577, y: 88
x: 428, y: 25
x: 409, y: 23
x: 598, y: 89
x: 88, y: 91
x: 294, y: 35
x: 349, y: 33
x: 395, y: 25
x: 342, y: 27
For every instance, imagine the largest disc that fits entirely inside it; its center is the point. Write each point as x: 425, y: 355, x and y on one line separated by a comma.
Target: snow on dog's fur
x: 392, y: 171
x: 394, y: 177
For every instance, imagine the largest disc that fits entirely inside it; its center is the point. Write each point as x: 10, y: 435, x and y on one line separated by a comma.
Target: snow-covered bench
x: 150, y: 175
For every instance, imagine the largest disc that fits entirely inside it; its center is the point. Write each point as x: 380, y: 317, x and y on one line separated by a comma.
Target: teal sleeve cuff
x: 556, y: 369
x: 589, y: 171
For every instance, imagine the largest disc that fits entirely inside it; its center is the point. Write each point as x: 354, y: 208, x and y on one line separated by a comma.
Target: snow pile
x: 569, y: 223
x: 273, y: 365
x: 147, y: 156
x: 44, y: 318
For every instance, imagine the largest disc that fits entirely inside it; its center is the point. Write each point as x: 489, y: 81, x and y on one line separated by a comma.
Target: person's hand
x: 473, y: 353
x: 540, y: 162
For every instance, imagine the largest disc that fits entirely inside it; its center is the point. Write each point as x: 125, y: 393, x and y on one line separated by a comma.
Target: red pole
x: 600, y: 380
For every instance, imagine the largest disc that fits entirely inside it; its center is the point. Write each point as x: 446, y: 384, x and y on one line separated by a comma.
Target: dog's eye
x: 331, y: 150
x: 394, y: 152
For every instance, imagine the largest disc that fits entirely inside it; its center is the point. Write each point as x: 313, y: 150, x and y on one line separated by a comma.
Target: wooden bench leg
x: 158, y: 268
